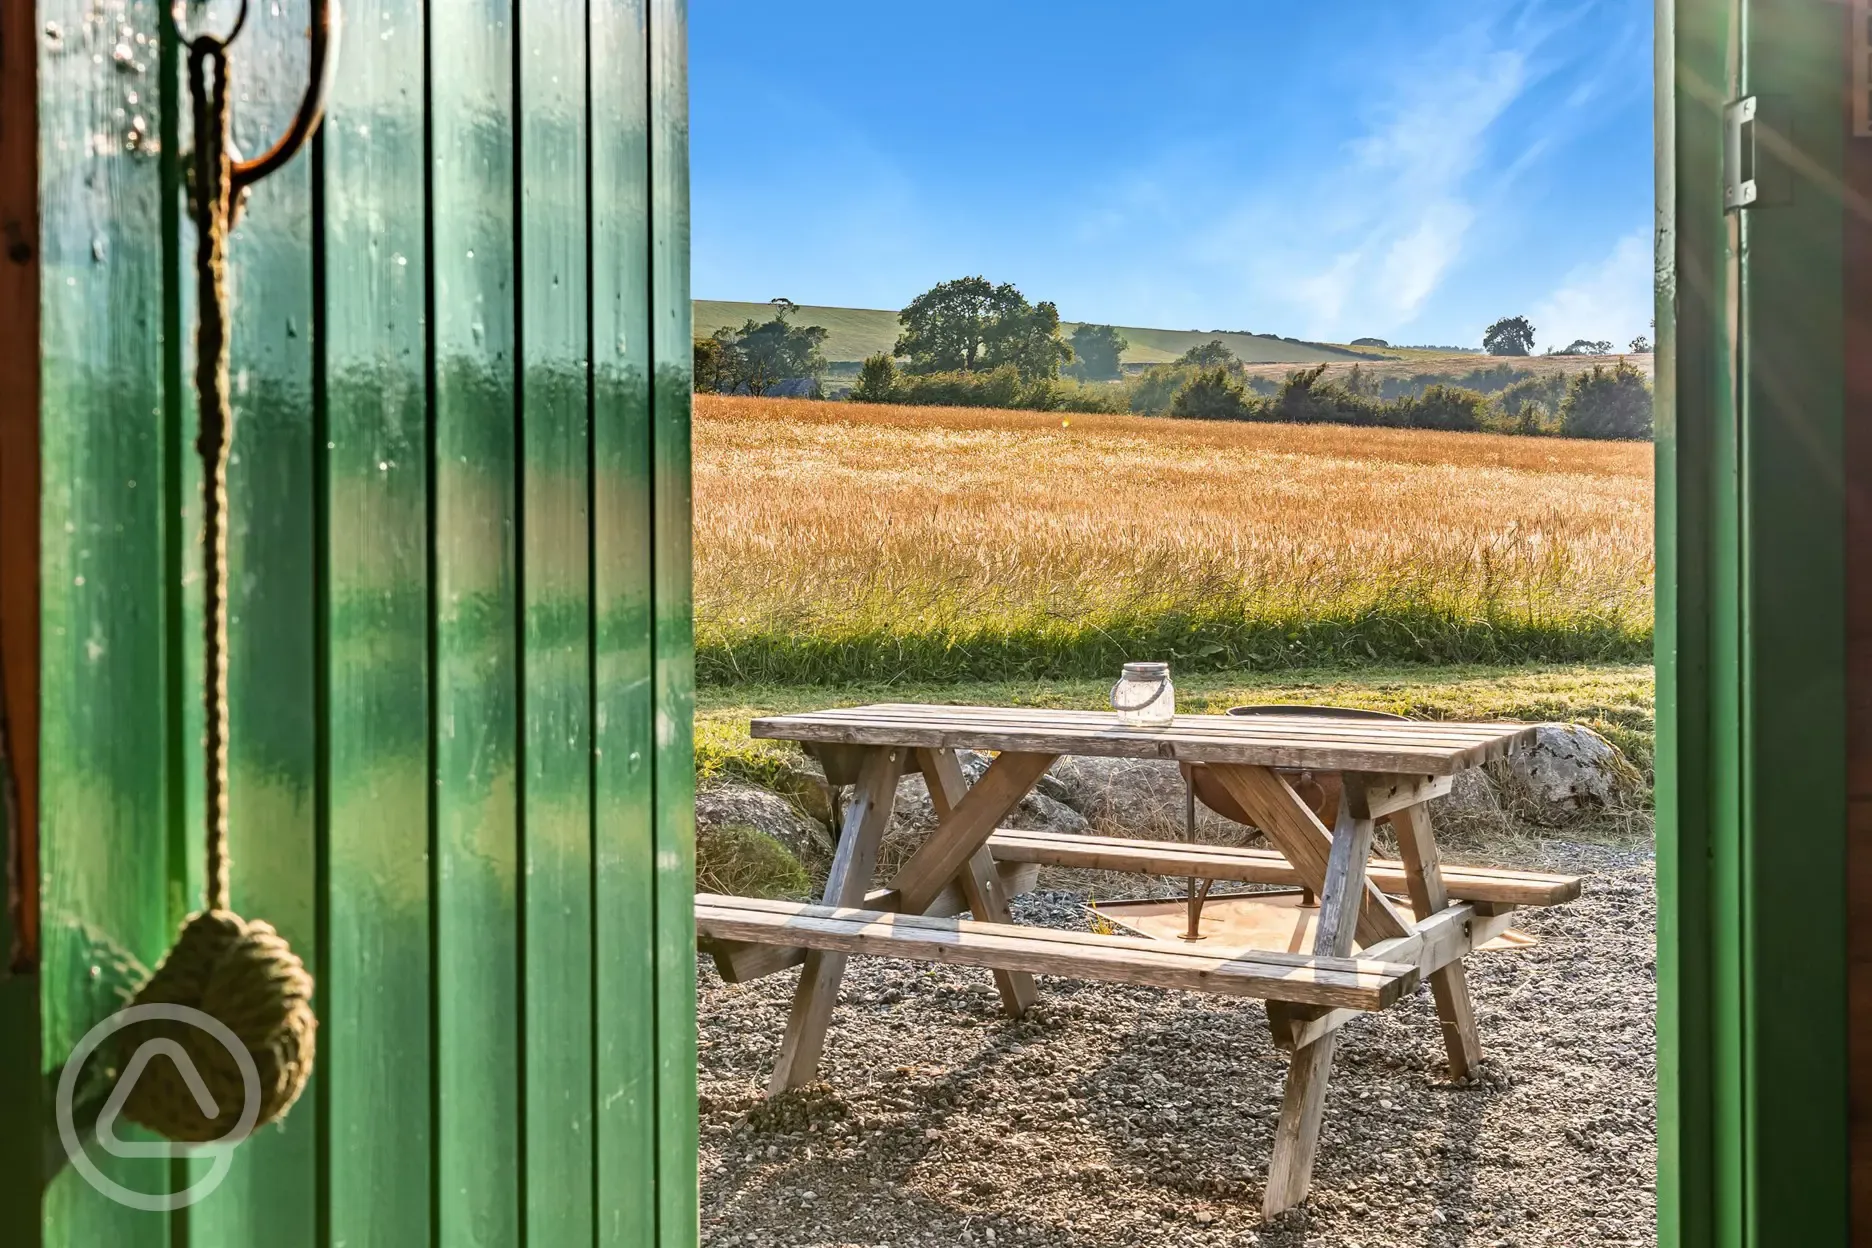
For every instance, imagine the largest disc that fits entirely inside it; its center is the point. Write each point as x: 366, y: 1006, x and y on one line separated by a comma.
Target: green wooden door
x: 462, y: 691
x: 1752, y: 585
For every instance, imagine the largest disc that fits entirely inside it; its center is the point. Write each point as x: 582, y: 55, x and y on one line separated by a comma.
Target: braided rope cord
x: 214, y: 208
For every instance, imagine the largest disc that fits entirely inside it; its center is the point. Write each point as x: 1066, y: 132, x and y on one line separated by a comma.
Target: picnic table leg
x: 965, y: 832
x: 979, y: 881
x: 1296, y: 1137
x: 866, y: 816
x: 1423, y: 875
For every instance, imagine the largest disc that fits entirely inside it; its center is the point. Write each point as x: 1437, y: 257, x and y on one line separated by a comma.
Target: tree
x: 877, y: 380
x: 1511, y: 335
x: 1607, y: 403
x: 1640, y: 345
x: 1446, y: 407
x: 958, y: 326
x: 1585, y: 346
x: 1211, y: 354
x: 717, y: 363
x: 1213, y: 394
x: 1097, y: 348
x: 946, y: 327
x: 773, y: 351
x: 1029, y: 339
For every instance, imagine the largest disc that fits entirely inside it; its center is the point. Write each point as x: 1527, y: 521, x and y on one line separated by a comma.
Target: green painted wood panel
x: 1698, y: 1041
x: 557, y: 548
x: 271, y: 1194
x: 461, y: 773
x: 107, y: 776
x: 1793, y: 583
x: 377, y: 1019
x: 672, y: 521
x: 623, y: 846
x: 1752, y: 1142
x: 477, y: 782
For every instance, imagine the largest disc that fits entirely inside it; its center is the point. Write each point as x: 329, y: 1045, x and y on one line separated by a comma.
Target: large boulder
x: 1566, y: 772
x: 1136, y: 797
x: 744, y: 805
x: 1037, y: 812
x: 1472, y: 810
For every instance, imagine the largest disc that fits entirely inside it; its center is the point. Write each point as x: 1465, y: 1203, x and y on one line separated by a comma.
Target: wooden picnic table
x: 1388, y: 770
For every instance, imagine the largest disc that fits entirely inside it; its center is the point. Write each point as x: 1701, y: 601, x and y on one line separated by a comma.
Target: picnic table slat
x: 1275, y: 725
x: 1261, y: 866
x: 1345, y: 726
x: 1296, y: 728
x: 1376, y: 746
x: 1348, y: 983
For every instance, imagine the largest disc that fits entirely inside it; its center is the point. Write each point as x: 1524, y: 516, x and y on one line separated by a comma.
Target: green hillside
x: 855, y: 333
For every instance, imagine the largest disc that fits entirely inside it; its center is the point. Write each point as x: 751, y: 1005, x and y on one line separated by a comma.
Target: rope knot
x: 244, y: 975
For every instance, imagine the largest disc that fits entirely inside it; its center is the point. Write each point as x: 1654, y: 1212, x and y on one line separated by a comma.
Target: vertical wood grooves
x: 625, y: 741
x: 431, y: 639
x: 595, y: 1049
x: 653, y: 409
x: 321, y: 690
x: 174, y: 533
x: 522, y: 780
x: 671, y: 523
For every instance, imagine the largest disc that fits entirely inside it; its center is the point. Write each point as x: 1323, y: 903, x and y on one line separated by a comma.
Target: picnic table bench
x: 1367, y: 953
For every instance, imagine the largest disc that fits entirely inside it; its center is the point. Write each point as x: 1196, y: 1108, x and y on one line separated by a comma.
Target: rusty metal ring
x: 178, y: 12
x: 323, y: 38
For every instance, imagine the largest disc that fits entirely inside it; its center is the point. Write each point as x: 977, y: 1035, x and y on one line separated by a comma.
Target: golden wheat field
x: 835, y: 540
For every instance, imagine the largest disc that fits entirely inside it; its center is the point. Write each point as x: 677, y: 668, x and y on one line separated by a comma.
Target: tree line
x: 972, y: 343
x: 1607, y: 401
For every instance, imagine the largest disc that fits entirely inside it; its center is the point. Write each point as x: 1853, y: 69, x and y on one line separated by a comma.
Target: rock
x: 736, y: 803
x: 1471, y: 794
x: 1567, y: 771
x: 1036, y: 813
x: 1129, y: 796
x: 807, y: 786
x: 1473, y: 807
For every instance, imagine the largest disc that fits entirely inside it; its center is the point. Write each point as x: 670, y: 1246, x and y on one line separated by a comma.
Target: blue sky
x: 1409, y: 169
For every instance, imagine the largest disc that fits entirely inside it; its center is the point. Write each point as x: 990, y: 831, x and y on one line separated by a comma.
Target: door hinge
x: 1739, y: 189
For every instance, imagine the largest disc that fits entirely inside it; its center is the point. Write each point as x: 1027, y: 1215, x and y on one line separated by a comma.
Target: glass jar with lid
x: 1144, y: 696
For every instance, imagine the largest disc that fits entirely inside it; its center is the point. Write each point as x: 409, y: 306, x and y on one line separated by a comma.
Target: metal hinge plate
x: 1739, y: 189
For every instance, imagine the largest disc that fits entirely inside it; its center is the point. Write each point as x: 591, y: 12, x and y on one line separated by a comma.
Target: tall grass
x: 839, y: 542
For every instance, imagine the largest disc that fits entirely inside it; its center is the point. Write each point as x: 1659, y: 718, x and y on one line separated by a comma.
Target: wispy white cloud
x: 1607, y: 299
x: 1370, y: 241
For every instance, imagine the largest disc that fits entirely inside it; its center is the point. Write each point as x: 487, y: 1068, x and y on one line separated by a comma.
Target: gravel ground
x: 1115, y: 1116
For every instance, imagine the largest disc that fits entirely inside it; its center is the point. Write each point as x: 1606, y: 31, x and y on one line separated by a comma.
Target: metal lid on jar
x: 1147, y: 671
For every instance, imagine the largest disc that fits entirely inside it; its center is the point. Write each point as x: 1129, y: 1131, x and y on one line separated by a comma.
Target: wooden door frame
x: 19, y: 479
x: 20, y: 1058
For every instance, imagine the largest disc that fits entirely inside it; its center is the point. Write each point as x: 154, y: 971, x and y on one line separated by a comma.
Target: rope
x: 240, y: 972
x: 214, y: 208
